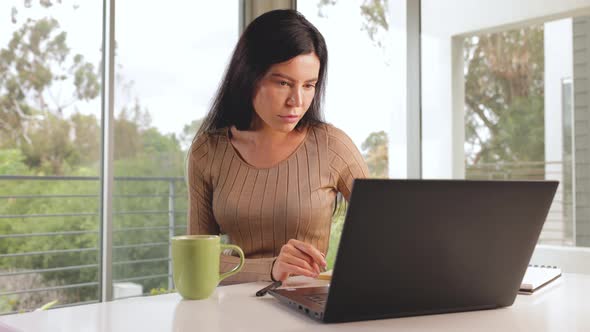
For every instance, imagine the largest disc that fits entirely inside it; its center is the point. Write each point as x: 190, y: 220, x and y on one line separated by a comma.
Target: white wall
x: 445, y: 23
x: 437, y: 115
x: 442, y: 19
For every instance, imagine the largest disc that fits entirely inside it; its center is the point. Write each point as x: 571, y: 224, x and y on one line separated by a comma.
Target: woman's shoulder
x: 343, y: 153
x: 328, y: 129
x: 207, y: 141
x: 336, y: 136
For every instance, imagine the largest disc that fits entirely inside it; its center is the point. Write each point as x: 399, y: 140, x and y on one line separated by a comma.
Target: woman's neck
x: 264, y: 148
x: 262, y: 136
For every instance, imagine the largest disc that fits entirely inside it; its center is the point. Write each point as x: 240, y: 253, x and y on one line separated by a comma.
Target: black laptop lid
x: 427, y: 246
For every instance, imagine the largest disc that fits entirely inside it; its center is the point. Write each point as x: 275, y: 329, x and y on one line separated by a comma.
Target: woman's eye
x: 283, y: 83
x: 309, y: 86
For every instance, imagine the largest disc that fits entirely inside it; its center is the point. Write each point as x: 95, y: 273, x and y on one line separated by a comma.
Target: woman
x: 264, y: 168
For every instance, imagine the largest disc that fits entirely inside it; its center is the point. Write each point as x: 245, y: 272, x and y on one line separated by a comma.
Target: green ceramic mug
x: 195, y: 260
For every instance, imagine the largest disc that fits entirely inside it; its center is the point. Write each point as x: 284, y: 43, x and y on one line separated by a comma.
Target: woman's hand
x: 297, y: 257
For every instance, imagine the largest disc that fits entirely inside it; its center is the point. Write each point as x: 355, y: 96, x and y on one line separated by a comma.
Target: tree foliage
x: 504, y: 96
x: 376, y: 154
x: 189, y: 131
x: 36, y: 60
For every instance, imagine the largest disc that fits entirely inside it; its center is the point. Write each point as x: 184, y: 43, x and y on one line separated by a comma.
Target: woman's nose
x: 296, y: 98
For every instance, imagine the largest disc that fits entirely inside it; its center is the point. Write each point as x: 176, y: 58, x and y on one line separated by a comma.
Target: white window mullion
x: 107, y: 146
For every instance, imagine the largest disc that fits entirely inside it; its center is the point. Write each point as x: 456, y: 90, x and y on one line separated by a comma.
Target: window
x: 504, y: 97
x: 49, y: 153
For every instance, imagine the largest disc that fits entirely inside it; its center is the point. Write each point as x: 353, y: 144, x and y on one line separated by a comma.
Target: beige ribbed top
x: 260, y: 209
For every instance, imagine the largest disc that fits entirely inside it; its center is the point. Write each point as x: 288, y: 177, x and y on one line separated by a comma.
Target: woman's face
x: 285, y: 92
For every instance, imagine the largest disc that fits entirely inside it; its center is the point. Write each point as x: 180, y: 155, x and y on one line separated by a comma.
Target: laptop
x: 419, y: 247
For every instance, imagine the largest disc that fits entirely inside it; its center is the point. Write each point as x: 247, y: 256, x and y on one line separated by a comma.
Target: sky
x: 174, y: 57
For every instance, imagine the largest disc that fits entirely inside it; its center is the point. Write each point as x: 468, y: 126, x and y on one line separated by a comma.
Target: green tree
x: 86, y: 139
x: 12, y: 162
x: 189, y: 131
x: 376, y: 155
x: 504, y: 96
x: 37, y: 60
x: 50, y: 146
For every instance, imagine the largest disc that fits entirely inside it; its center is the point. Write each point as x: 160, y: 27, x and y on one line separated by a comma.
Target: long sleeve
x: 200, y: 209
x: 346, y: 161
x: 255, y: 269
x: 202, y: 221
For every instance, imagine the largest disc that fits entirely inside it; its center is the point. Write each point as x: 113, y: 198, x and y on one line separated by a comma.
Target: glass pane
x: 359, y: 87
x: 505, y: 106
x: 49, y: 153
x: 505, y: 129
x: 169, y: 62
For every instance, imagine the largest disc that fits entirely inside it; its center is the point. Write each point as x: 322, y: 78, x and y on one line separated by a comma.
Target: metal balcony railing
x: 159, y: 200
x: 559, y: 225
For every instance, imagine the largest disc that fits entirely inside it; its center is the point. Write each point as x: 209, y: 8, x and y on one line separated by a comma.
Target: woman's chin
x: 285, y: 127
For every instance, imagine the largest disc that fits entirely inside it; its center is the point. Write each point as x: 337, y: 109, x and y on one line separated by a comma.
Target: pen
x: 274, y: 285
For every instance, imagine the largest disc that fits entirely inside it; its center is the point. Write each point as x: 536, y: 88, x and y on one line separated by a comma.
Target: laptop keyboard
x: 319, y: 298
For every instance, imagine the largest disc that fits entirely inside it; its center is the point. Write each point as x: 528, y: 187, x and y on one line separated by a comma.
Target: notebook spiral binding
x: 544, y: 266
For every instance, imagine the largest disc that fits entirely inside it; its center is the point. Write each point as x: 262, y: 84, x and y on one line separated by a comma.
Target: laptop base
x: 303, y: 299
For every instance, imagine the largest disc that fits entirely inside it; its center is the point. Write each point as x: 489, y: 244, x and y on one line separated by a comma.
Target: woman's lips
x: 289, y: 118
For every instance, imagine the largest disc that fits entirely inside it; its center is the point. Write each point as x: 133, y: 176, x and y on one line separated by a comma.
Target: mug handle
x: 239, y: 266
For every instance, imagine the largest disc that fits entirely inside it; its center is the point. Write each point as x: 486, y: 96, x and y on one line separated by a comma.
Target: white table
x: 563, y: 305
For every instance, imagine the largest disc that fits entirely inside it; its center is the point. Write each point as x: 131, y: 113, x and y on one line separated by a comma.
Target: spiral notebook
x: 536, y: 276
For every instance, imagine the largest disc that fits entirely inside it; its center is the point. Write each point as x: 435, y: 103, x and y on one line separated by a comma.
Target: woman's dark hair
x: 272, y: 38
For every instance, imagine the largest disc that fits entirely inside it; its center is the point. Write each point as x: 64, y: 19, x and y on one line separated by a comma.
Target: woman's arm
x: 200, y: 209
x: 255, y: 269
x: 346, y: 161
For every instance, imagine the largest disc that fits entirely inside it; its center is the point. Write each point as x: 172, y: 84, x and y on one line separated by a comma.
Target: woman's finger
x: 316, y: 267
x: 310, y: 250
x: 294, y: 260
x: 292, y: 250
x: 313, y: 265
x: 294, y: 269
